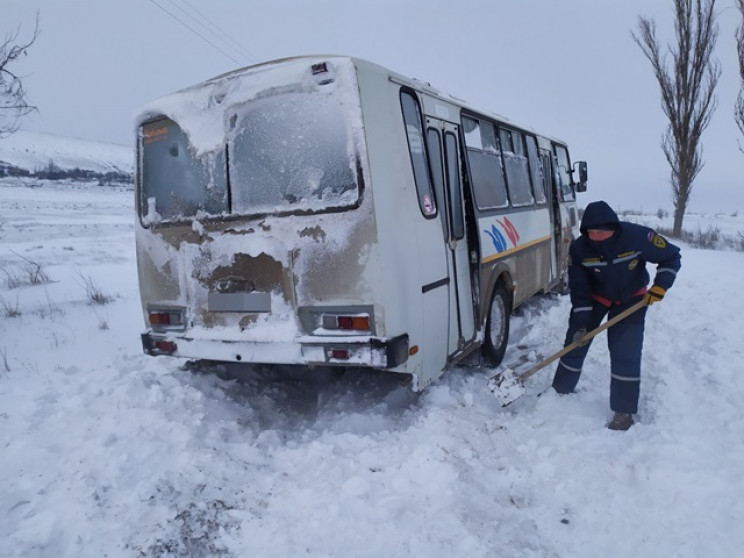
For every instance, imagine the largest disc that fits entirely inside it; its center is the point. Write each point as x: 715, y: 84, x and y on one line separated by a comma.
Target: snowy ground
x: 107, y: 452
x: 35, y: 151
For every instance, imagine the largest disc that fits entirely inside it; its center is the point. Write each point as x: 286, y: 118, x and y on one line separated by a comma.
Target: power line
x: 220, y: 33
x: 195, y: 32
x: 211, y: 28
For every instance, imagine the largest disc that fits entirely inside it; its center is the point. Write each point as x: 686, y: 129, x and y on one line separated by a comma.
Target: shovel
x: 508, y: 386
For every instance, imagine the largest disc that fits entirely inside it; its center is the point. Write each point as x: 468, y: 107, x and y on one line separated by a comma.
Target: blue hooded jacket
x: 614, y: 271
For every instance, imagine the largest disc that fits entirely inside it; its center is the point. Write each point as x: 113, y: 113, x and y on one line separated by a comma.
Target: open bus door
x: 444, y: 157
x: 553, y: 194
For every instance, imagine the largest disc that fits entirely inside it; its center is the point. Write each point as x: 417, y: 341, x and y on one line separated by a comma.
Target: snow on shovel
x: 508, y: 386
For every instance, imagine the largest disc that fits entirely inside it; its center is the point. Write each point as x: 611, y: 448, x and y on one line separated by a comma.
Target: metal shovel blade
x: 506, y: 387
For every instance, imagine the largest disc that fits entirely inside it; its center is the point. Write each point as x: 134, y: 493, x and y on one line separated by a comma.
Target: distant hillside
x: 55, y: 157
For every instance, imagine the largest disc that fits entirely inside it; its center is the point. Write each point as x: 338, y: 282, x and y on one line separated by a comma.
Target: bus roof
x: 414, y: 83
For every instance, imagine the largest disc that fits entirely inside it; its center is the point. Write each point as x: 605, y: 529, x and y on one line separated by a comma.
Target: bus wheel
x: 562, y: 287
x: 497, y: 327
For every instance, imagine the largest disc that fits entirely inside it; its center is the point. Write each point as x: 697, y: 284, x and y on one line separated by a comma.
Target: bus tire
x: 497, y: 327
x: 562, y: 287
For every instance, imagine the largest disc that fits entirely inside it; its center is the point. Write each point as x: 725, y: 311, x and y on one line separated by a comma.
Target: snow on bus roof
x: 189, y: 105
x: 199, y: 109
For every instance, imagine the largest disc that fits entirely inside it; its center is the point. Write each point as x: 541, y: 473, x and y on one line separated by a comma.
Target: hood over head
x: 599, y: 215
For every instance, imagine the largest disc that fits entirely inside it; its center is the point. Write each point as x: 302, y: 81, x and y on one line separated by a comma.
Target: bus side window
x: 506, y: 141
x: 415, y: 134
x: 455, y: 187
x: 517, y: 168
x: 538, y: 181
x: 437, y: 174
x: 486, y: 166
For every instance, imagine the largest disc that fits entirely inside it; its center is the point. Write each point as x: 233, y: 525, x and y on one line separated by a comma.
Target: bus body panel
x: 523, y: 237
x: 411, y: 260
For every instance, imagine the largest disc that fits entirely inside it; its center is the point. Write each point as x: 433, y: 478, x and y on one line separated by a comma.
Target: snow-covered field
x: 722, y: 230
x: 35, y: 151
x: 107, y: 452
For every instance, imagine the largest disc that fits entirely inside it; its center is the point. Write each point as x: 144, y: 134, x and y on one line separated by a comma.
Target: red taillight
x: 159, y: 319
x: 165, y: 346
x: 165, y: 318
x: 349, y: 323
x: 339, y: 354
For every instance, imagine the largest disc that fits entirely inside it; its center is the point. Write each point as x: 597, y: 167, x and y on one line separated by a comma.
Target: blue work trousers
x: 625, y: 341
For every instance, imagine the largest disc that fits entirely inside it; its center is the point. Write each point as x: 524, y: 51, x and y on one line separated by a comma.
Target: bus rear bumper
x: 365, y: 351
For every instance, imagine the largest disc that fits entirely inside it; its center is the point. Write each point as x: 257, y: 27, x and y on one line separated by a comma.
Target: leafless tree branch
x: 13, y: 102
x: 739, y: 107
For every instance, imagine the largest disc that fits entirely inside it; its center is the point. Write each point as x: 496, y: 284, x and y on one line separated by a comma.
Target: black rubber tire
x: 562, y: 286
x: 497, y: 334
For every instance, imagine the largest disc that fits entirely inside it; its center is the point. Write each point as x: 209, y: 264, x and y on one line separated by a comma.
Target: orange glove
x: 655, y: 294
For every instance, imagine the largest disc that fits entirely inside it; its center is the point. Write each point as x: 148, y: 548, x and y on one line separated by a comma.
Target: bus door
x: 553, y: 195
x: 444, y: 155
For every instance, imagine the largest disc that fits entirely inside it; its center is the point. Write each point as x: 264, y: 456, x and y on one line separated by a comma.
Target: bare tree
x: 687, y: 91
x: 13, y: 103
x: 739, y: 109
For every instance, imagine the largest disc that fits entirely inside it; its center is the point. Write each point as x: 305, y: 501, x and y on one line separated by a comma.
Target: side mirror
x: 583, y: 176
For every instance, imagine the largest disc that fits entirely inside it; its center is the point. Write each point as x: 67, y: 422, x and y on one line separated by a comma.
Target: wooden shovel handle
x: 568, y: 348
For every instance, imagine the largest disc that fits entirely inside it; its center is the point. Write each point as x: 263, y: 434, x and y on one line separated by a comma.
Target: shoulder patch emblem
x: 659, y: 241
x: 632, y: 265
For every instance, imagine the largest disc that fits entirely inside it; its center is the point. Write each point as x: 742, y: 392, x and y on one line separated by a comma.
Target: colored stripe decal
x: 516, y: 249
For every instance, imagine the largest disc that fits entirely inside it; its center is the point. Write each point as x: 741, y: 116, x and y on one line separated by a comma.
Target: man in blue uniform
x: 607, y: 274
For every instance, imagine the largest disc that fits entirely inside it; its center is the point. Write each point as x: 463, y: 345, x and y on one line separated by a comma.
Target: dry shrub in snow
x: 10, y: 310
x: 94, y: 293
x: 30, y: 273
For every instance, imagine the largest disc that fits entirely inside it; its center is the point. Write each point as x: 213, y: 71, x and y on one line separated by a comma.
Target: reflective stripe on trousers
x: 625, y: 341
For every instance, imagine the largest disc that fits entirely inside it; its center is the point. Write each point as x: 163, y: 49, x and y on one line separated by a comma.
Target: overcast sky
x: 567, y: 68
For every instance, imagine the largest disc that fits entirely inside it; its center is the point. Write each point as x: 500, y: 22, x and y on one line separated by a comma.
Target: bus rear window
x: 176, y: 183
x: 291, y: 152
x: 286, y: 153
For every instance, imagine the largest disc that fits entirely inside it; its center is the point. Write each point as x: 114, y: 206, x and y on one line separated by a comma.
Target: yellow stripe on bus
x: 515, y: 249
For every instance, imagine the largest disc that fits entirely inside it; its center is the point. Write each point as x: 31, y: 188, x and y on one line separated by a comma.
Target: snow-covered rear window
x: 176, y: 183
x: 291, y: 151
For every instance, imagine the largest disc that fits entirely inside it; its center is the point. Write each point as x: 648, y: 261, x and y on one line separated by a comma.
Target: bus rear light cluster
x: 167, y: 347
x: 357, y: 322
x: 154, y: 345
x: 339, y: 354
x: 166, y: 318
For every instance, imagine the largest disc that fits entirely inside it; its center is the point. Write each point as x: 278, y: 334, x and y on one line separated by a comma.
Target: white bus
x: 324, y: 210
